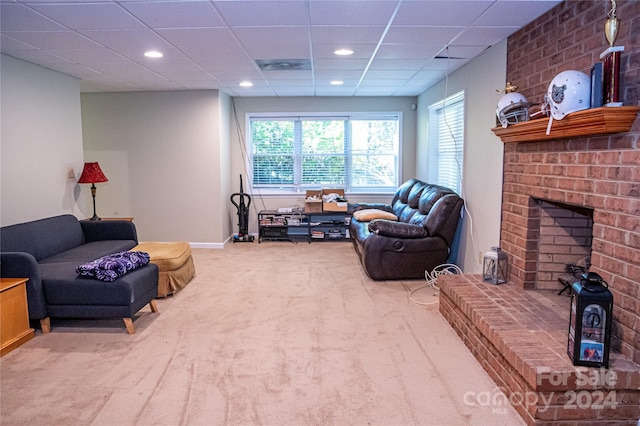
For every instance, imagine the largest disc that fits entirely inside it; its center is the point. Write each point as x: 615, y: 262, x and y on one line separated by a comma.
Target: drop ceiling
x: 401, y: 47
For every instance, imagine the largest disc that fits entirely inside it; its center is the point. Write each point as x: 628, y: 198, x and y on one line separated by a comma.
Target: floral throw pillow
x: 108, y: 268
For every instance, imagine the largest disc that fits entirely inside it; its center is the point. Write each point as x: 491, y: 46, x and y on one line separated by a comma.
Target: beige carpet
x: 265, y: 334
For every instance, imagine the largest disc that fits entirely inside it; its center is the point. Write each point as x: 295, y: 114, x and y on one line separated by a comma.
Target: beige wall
x: 166, y: 157
x: 245, y: 105
x: 483, y: 153
x: 173, y: 158
x: 40, y: 141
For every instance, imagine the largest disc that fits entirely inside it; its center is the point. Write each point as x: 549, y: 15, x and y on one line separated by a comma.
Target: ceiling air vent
x: 284, y: 64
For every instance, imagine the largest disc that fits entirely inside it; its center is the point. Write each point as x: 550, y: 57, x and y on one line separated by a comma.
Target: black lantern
x: 590, y: 321
x: 494, y: 267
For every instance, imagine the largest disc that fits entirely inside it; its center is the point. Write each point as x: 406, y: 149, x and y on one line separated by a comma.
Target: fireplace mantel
x: 590, y: 122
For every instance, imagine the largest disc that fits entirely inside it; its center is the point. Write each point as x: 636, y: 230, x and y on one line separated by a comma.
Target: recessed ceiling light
x: 337, y: 82
x: 343, y: 52
x: 246, y: 84
x: 153, y: 54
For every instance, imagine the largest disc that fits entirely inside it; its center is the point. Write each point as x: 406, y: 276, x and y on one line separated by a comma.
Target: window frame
x: 300, y: 188
x: 459, y: 144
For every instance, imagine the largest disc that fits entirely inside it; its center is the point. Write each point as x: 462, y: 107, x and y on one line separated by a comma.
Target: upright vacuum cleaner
x: 243, y: 215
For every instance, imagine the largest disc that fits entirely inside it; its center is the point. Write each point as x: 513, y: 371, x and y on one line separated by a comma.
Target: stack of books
x: 334, y: 234
x: 317, y: 234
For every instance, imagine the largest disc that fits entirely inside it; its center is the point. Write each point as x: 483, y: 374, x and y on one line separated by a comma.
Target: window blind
x: 446, y: 142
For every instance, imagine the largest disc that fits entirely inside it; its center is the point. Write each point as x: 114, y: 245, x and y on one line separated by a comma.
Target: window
x: 446, y: 142
x: 359, y: 153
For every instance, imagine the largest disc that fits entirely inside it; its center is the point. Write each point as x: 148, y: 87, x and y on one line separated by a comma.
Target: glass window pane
x: 320, y: 137
x: 272, y: 137
x: 374, y: 170
x: 379, y: 136
x: 272, y: 170
x: 323, y: 170
x: 315, y: 152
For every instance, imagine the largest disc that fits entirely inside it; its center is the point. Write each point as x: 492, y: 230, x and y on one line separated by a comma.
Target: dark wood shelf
x: 590, y: 122
x: 276, y: 226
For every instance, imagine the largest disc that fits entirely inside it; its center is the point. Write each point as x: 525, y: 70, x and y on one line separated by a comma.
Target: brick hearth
x: 520, y: 338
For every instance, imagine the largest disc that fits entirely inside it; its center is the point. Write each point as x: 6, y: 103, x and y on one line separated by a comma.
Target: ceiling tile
x: 333, y: 74
x: 175, y: 14
x: 89, y: 16
x: 16, y: 17
x: 142, y: 39
x: 200, y: 38
x: 376, y: 91
x: 292, y: 76
x: 435, y: 13
x: 275, y: 35
x: 10, y: 44
x: 351, y: 12
x: 347, y: 35
x: 397, y: 51
x: 262, y: 13
x: 381, y: 82
x: 238, y: 76
x: 90, y: 57
x: 294, y: 91
x: 40, y: 57
x: 299, y: 83
x: 278, y: 51
x: 326, y: 51
x: 391, y: 74
x: 514, y: 13
x: 484, y: 36
x: 340, y: 64
x: 400, y: 65
x: 53, y: 39
x: 422, y: 35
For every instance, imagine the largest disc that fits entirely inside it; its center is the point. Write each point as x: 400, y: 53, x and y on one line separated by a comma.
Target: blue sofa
x: 48, y: 251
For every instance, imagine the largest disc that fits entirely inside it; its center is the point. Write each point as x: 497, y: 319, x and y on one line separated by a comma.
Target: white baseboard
x: 207, y: 245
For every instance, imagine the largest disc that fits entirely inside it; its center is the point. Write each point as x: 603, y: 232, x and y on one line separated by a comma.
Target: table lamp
x: 92, y: 174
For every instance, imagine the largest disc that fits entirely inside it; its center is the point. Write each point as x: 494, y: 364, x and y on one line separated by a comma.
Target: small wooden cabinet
x: 14, y: 314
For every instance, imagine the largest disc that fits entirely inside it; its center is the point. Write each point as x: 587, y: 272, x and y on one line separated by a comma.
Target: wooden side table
x: 14, y: 314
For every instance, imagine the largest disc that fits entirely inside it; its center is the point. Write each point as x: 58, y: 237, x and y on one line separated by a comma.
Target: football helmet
x: 568, y: 92
x: 512, y: 108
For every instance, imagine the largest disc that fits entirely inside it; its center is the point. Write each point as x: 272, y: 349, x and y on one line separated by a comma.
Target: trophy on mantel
x: 611, y: 60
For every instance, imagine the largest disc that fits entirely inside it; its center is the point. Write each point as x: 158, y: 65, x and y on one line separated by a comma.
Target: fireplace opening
x: 564, y: 245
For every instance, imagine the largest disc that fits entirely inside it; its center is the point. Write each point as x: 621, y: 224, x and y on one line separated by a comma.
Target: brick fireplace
x: 564, y: 240
x: 563, y: 201
x: 600, y: 174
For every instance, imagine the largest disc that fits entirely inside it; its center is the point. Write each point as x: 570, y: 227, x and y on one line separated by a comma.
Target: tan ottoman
x: 175, y: 264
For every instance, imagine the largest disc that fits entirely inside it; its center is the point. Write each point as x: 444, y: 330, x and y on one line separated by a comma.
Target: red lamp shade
x: 92, y: 174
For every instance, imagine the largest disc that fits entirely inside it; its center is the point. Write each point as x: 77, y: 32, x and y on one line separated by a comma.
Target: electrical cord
x: 465, y: 206
x: 432, y: 280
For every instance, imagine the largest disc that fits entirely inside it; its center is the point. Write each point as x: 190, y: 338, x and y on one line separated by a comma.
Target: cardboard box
x: 334, y: 207
x: 313, y: 201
